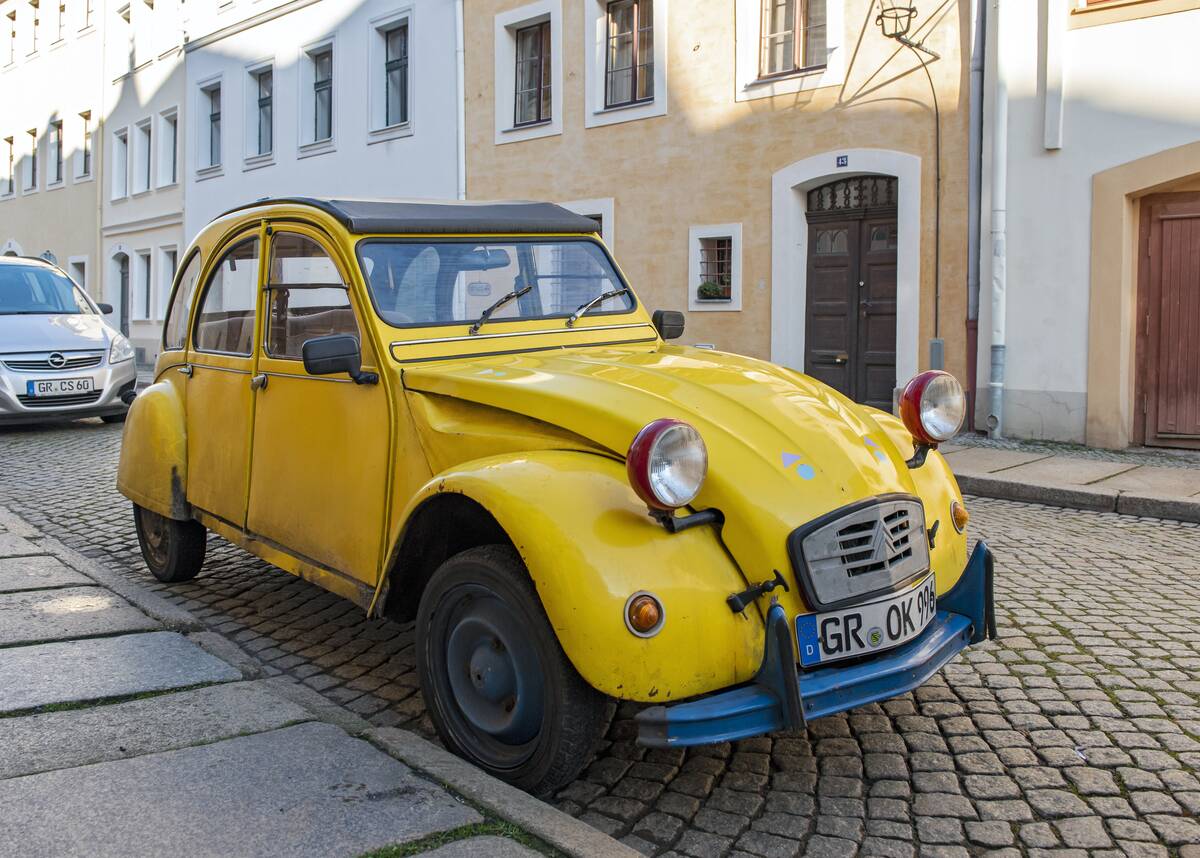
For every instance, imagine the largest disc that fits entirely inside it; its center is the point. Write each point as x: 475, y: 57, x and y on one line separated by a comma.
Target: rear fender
x: 153, y: 467
x: 589, y: 545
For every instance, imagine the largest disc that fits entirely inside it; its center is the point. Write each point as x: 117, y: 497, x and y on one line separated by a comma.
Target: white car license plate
x: 59, y: 387
x: 864, y: 629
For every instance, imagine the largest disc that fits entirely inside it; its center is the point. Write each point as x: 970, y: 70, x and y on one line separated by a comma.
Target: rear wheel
x: 174, y: 550
x: 498, y: 687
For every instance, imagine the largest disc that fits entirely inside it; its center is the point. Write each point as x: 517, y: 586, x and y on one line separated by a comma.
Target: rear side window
x: 225, y: 322
x: 175, y: 329
x: 306, y: 294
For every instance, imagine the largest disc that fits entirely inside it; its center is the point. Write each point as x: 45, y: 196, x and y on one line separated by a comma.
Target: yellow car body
x: 527, y: 424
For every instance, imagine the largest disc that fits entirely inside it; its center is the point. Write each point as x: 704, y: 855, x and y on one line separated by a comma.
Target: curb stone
x: 1082, y: 497
x: 552, y: 826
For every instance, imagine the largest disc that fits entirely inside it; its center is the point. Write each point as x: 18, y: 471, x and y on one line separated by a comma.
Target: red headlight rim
x: 637, y: 461
x: 910, y: 405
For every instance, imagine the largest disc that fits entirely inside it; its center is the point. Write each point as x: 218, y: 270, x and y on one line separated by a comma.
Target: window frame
x: 378, y: 129
x: 168, y: 155
x: 58, y: 154
x: 505, y: 25
x: 278, y: 229
x: 390, y: 64
x: 799, y: 66
x: 10, y: 175
x: 85, y: 154
x: 322, y: 85
x: 143, y: 143
x: 254, y: 234
x: 696, y: 236
x: 120, y: 169
x: 544, y: 88
x: 29, y: 181
x: 141, y: 308
x: 637, y: 30
x: 263, y: 105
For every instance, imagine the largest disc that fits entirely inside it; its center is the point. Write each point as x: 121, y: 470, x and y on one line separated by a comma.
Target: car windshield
x: 420, y: 283
x: 32, y: 290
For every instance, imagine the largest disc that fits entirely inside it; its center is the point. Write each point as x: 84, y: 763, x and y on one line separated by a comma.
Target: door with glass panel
x: 219, y: 395
x: 320, y: 437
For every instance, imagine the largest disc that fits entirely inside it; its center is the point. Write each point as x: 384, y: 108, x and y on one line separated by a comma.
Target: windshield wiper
x: 599, y: 299
x: 487, y: 314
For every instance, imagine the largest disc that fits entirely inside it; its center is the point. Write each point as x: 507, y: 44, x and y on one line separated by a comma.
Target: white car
x: 59, y: 358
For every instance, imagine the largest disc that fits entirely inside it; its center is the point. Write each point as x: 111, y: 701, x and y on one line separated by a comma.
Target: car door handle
x: 259, y: 382
x: 186, y: 369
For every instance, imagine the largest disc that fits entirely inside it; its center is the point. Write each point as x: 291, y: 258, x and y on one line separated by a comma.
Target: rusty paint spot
x: 653, y: 692
x: 179, y: 504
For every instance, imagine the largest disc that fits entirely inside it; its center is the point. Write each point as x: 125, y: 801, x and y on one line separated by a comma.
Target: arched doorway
x: 121, y: 264
x: 850, y: 315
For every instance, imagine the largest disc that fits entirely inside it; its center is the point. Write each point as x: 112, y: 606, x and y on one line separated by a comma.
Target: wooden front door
x: 1169, y: 300
x: 850, y: 317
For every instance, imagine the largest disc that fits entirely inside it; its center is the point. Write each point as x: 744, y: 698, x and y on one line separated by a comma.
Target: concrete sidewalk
x: 1151, y: 483
x: 125, y: 729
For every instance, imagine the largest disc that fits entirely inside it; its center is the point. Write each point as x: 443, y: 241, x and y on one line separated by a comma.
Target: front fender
x: 589, y: 545
x: 153, y: 467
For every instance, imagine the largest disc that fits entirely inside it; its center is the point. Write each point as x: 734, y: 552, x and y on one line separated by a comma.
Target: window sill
x: 55, y: 186
x: 136, y: 194
x: 120, y: 199
x: 767, y: 80
x: 257, y: 162
x: 210, y: 172
x: 525, y: 126
x: 6, y: 197
x: 85, y: 30
x: 54, y: 46
x: 629, y: 105
x: 317, y: 147
x: 86, y: 177
x: 391, y: 132
x: 28, y: 192
x: 700, y: 300
x: 167, y: 186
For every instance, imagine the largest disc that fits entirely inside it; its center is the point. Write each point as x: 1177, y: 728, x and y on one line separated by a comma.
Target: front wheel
x: 174, y: 550
x: 498, y: 687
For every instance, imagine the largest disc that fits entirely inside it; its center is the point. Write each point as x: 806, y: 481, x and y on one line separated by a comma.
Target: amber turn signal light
x: 643, y: 614
x: 959, y: 516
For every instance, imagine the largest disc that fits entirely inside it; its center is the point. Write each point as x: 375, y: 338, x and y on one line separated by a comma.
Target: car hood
x: 54, y: 333
x: 783, y: 448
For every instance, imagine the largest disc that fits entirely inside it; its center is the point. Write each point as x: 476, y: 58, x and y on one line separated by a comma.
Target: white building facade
x: 1090, y: 249
x: 50, y: 121
x: 321, y: 98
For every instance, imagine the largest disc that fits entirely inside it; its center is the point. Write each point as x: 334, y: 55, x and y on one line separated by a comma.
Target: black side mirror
x: 333, y: 354
x: 106, y: 309
x: 669, y: 324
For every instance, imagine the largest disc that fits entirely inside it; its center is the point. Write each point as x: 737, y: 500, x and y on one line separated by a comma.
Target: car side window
x: 306, y: 296
x: 225, y: 322
x: 175, y: 329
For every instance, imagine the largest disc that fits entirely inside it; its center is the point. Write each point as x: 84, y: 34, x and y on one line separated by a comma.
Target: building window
x: 793, y: 36
x: 12, y: 36
x: 168, y: 149
x: 396, y: 76
x: 141, y: 157
x: 322, y: 62
x: 533, y: 74
x: 10, y: 182
x: 85, y: 145
x: 56, y: 152
x: 35, y: 18
x: 124, y: 27
x: 629, y: 63
x: 715, y: 267
x: 168, y: 261
x: 141, y: 297
x: 31, y: 172
x: 62, y: 22
x: 263, y: 84
x: 77, y: 268
x: 88, y: 9
x: 211, y: 144
x: 120, y: 164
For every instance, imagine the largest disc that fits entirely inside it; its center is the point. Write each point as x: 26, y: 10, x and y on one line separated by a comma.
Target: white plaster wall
x: 1127, y: 93
x: 421, y: 164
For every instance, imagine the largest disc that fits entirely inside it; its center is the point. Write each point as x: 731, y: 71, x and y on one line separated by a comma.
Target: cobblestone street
x: 1077, y: 733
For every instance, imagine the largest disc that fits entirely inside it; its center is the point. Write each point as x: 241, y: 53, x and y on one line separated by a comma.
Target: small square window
x: 715, y: 267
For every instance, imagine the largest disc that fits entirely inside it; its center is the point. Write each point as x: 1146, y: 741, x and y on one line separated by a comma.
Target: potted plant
x: 712, y: 291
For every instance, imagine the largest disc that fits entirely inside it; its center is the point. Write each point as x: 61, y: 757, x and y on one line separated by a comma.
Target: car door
x: 320, y: 453
x: 221, y: 363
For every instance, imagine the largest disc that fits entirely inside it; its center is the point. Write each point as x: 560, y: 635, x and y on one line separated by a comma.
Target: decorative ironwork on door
x: 854, y: 192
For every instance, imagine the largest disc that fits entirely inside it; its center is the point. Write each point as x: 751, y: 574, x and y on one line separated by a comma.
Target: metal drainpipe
x: 974, y: 195
x: 995, y: 419
x: 461, y: 87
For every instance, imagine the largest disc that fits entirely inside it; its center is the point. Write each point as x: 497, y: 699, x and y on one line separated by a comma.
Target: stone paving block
x: 1180, y: 482
x: 72, y: 671
x: 483, y: 847
x: 308, y: 790
x: 982, y: 460
x: 76, y: 737
x: 1064, y: 471
x: 12, y: 545
x: 72, y: 612
x: 37, y: 573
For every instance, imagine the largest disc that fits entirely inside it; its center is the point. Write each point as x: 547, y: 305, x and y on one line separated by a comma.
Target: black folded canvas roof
x: 442, y: 218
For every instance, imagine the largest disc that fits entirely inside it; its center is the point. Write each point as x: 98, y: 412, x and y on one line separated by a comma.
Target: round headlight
x: 933, y: 407
x: 667, y: 463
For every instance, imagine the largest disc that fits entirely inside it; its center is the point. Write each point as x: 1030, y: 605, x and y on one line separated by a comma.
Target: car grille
x: 43, y: 364
x: 858, y: 552
x: 59, y: 401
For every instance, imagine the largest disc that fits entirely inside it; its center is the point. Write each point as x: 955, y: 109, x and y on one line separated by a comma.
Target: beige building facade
x: 769, y: 167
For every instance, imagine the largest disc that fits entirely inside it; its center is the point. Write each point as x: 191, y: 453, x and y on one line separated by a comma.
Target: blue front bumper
x: 782, y: 697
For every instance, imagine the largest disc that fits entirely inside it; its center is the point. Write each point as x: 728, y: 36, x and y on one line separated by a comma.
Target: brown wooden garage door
x: 1170, y: 315
x: 850, y: 313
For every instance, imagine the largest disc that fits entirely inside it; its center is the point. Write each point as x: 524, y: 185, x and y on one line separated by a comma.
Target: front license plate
x: 59, y: 387
x: 864, y: 629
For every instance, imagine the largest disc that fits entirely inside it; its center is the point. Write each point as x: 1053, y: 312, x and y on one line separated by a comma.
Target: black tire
x: 174, y: 550
x: 114, y: 418
x: 513, y: 704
